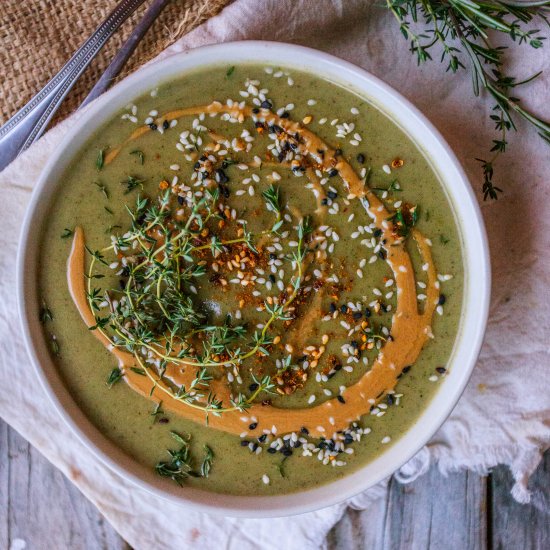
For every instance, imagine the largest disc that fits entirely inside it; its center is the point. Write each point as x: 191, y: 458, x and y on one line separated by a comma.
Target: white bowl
x: 474, y: 247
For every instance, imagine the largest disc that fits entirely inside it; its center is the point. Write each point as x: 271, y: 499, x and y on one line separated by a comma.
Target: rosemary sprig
x: 461, y: 29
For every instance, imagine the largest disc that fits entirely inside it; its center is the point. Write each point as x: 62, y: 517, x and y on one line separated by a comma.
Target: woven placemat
x: 38, y: 36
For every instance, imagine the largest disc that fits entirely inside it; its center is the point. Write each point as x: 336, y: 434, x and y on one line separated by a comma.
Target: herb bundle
x: 462, y: 30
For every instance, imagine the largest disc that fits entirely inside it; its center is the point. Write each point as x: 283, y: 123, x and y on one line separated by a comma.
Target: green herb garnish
x: 230, y: 71
x: 131, y: 183
x: 102, y: 188
x: 156, y: 302
x: 54, y: 344
x: 156, y: 411
x: 139, y: 371
x: 207, y: 461
x: 178, y: 468
x: 100, y: 161
x: 114, y: 376
x: 45, y: 314
x: 139, y: 154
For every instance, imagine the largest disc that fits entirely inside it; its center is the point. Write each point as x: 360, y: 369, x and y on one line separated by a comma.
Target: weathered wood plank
x: 521, y: 526
x: 433, y: 512
x: 360, y: 528
x: 40, y: 506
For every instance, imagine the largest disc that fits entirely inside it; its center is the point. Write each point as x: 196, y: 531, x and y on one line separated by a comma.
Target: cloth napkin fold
x: 504, y: 415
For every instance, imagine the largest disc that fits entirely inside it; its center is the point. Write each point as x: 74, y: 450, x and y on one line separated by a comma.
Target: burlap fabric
x: 38, y: 36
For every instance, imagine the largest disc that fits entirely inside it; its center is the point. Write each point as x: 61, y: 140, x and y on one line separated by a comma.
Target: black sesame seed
x: 324, y: 202
x: 340, y: 399
x: 262, y: 438
x: 377, y: 232
x: 166, y: 125
x: 271, y: 450
x: 332, y: 195
x: 255, y: 110
x: 221, y: 176
x: 266, y: 104
x: 153, y: 126
x: 197, y: 165
x: 253, y: 387
x: 333, y: 172
x: 253, y: 426
x: 361, y: 158
x: 442, y: 299
x: 390, y: 399
x: 244, y: 443
x: 272, y: 277
x: 272, y: 256
x: 180, y: 200
x: 338, y: 152
x: 338, y: 366
x: 224, y: 190
x: 407, y: 368
x: 164, y: 420
x: 441, y: 370
x: 344, y: 308
x: 332, y: 307
x: 304, y: 430
x: 285, y: 114
x: 286, y: 452
x: 368, y: 313
x: 357, y: 315
x: 382, y: 254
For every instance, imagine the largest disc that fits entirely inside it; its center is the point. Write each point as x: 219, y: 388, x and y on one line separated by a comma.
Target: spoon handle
x: 119, y: 60
x: 28, y: 124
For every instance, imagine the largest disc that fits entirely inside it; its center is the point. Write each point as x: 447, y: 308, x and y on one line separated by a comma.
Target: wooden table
x: 464, y: 511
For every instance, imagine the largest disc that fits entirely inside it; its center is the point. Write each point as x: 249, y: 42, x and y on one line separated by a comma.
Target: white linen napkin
x: 504, y: 415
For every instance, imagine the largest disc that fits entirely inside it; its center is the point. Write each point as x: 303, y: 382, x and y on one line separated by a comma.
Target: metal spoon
x: 28, y: 124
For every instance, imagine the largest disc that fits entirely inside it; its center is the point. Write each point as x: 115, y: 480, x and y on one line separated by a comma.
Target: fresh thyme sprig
x: 461, y: 29
x: 153, y: 315
x: 180, y: 466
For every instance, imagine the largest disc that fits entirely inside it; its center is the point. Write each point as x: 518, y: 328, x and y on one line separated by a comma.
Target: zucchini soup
x: 251, y: 280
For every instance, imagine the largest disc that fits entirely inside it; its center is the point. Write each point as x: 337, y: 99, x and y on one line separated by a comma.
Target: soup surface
x: 251, y: 280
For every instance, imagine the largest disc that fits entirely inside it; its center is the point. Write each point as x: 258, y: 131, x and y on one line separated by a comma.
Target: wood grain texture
x: 433, y: 512
x: 521, y: 526
x: 41, y: 507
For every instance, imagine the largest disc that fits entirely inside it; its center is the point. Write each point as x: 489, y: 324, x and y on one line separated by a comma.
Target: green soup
x: 225, y: 243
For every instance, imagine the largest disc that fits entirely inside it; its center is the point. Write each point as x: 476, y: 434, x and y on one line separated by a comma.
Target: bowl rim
x: 476, y: 269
